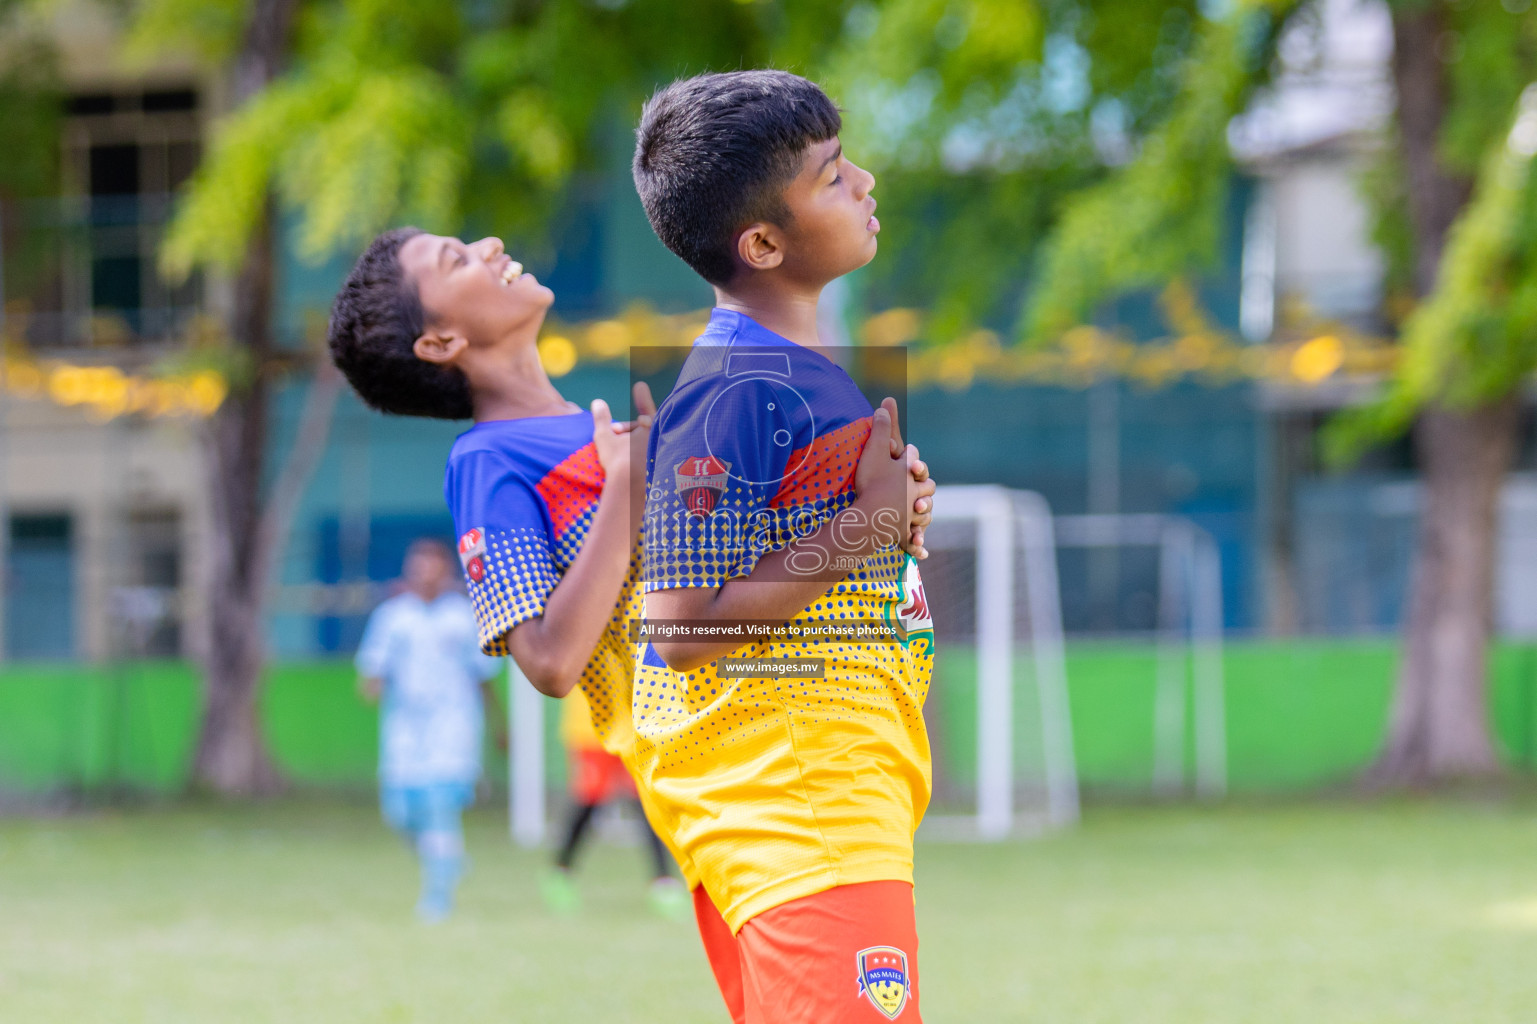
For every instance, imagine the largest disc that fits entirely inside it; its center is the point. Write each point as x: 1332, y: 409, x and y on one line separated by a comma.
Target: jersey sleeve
x: 504, y: 545
x: 713, y: 465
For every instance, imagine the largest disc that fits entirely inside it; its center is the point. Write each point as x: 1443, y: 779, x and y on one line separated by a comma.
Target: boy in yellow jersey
x: 791, y: 773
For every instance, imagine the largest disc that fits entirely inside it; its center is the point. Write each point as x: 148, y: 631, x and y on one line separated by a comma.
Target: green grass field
x: 300, y: 911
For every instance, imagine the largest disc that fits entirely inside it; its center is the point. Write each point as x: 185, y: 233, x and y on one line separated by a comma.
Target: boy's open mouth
x: 511, y: 272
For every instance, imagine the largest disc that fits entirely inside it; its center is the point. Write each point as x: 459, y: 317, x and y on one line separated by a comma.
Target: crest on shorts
x: 472, y: 554
x: 701, y: 479
x: 883, y: 978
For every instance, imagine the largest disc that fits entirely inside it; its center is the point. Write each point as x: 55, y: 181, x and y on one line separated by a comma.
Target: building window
x: 40, y: 587
x: 147, y: 607
x: 124, y: 156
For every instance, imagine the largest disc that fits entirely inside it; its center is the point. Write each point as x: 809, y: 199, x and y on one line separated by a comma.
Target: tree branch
x: 277, y: 513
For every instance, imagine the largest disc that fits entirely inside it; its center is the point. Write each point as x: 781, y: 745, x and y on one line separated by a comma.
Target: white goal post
x: 1189, y: 637
x: 525, y: 758
x: 1014, y: 529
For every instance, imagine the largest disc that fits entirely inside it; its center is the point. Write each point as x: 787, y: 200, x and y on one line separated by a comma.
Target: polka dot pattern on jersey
x: 778, y: 786
x: 519, y: 575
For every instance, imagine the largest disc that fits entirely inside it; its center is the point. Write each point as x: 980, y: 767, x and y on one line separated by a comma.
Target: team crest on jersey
x: 883, y: 978
x: 915, y: 610
x: 701, y: 480
x: 917, y: 622
x: 472, y: 554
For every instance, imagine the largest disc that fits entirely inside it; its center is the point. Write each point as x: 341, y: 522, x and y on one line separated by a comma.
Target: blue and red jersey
x: 523, y: 493
x: 778, y: 786
x: 755, y: 446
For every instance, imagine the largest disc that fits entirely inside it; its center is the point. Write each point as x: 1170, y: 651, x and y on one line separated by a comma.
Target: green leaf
x: 1161, y: 214
x: 1472, y: 341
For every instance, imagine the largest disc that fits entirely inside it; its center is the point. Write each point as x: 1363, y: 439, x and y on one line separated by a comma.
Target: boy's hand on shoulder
x: 611, y: 441
x: 923, y: 504
x: 616, y: 441
x: 638, y: 432
x: 882, y: 483
x: 918, y: 499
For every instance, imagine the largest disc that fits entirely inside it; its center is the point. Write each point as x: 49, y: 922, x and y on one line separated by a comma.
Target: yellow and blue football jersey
x: 778, y: 788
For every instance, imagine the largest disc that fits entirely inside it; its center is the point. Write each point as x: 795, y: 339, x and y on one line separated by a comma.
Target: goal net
x: 997, y: 709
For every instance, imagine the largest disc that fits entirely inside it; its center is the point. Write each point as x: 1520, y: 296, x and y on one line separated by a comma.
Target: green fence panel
x: 80, y: 727
x: 322, y: 732
x: 1301, y: 714
x: 319, y: 729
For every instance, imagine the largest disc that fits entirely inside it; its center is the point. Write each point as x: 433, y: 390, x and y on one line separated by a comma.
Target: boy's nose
x: 491, y: 248
x: 866, y: 178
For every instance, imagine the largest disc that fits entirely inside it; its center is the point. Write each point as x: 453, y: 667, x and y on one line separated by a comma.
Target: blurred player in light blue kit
x: 421, y: 656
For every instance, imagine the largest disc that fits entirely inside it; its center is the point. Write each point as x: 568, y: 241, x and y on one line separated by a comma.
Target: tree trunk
x: 1436, y: 194
x: 231, y: 757
x: 1440, y: 721
x: 1439, y: 729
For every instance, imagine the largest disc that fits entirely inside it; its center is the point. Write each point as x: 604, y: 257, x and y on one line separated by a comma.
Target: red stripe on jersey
x: 825, y: 467
x: 571, y: 487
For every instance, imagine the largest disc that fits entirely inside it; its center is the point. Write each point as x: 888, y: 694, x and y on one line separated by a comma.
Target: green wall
x: 1301, y: 715
x: 88, y: 729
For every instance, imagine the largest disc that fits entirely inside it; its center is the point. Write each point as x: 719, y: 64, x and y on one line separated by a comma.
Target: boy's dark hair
x: 375, y: 321
x: 715, y: 152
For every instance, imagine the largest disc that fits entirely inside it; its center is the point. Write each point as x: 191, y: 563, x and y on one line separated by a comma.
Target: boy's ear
x: 760, y: 245
x: 442, y: 349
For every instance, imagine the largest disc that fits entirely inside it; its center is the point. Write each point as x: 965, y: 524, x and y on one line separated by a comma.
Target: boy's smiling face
x: 472, y: 294
x: 832, y: 227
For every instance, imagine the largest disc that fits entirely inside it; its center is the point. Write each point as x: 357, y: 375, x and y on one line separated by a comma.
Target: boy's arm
x: 553, y: 647
x: 373, y: 652
x: 884, y: 486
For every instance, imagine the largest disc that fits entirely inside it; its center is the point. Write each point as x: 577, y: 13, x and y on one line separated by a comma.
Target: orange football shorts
x: 847, y: 955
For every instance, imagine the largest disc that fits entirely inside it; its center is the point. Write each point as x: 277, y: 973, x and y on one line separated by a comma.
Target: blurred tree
x: 1128, y: 107
x: 254, y: 43
x: 29, y: 109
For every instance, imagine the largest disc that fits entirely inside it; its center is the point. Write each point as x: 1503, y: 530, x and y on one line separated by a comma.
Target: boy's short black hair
x: 715, y: 152
x: 433, y: 545
x: 375, y: 321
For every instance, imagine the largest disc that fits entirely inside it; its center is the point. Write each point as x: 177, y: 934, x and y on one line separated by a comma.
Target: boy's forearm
x: 553, y: 648
x: 776, y: 592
